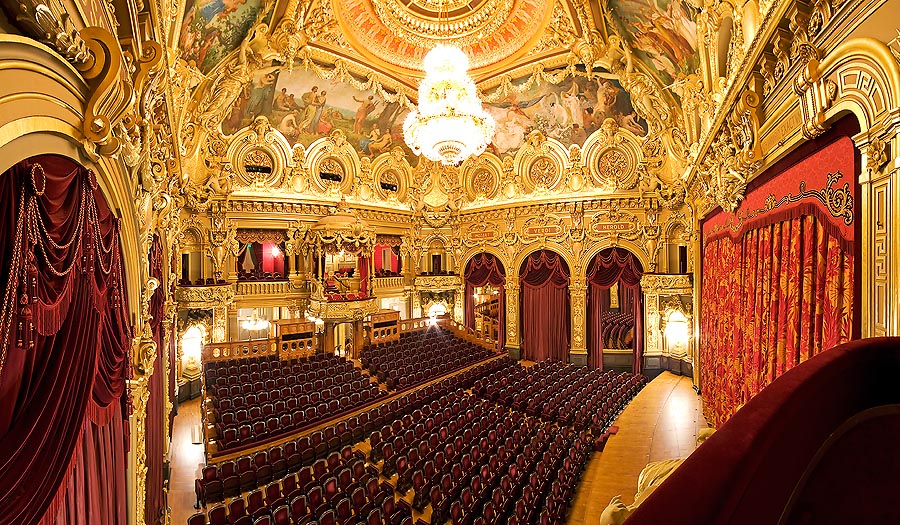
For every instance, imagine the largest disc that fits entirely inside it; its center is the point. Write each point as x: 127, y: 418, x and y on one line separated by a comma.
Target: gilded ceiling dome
x: 400, y: 33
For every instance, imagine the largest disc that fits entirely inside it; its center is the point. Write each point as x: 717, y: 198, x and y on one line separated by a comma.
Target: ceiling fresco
x: 211, y: 29
x: 354, y: 65
x: 568, y: 111
x: 304, y: 107
x: 661, y: 33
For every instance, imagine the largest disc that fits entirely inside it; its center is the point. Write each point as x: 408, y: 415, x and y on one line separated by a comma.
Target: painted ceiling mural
x: 305, y: 107
x: 662, y: 33
x: 569, y: 111
x: 213, y: 28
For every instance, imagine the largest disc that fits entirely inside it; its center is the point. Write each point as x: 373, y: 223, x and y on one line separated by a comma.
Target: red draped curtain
x: 484, y: 268
x: 544, y: 306
x: 778, y: 287
x: 611, y: 266
x: 64, y: 350
x: 155, y: 503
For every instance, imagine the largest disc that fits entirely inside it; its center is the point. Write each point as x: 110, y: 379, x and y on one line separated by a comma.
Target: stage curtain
x: 484, y: 268
x: 544, y: 306
x: 607, y: 268
x: 780, y: 295
x: 64, y: 354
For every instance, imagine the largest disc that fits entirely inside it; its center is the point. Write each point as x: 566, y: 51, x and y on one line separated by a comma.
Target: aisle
x: 660, y: 423
x: 186, y: 462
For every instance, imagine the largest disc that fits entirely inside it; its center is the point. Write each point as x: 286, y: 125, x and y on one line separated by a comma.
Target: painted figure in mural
x: 280, y: 101
x: 309, y: 99
x: 366, y: 106
x: 261, y: 95
x: 289, y: 127
x: 319, y: 103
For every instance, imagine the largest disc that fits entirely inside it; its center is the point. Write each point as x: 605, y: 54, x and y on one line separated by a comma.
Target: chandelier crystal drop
x: 450, y: 124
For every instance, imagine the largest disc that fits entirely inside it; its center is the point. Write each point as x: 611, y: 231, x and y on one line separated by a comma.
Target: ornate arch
x: 333, y: 153
x: 472, y: 252
x: 860, y: 75
x: 636, y: 249
x: 527, y: 249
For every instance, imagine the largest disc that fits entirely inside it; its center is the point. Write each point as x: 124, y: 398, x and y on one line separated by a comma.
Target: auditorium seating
x: 618, y: 329
x: 511, y: 451
x: 419, y: 357
x: 251, y: 400
x: 565, y: 393
x: 259, y: 468
x: 479, y: 463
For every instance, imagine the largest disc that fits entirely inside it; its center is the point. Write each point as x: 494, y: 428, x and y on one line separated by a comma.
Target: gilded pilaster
x: 512, y: 316
x: 578, y: 303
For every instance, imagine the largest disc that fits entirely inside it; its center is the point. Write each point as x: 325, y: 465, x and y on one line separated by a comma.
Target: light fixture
x: 275, y: 251
x: 254, y: 323
x: 450, y: 124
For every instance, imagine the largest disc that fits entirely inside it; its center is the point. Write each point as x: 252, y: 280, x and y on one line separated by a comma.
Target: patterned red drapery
x: 778, y: 276
x: 65, y: 348
x: 484, y: 268
x: 544, y: 306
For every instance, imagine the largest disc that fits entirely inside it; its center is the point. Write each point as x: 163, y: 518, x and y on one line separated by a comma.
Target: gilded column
x: 459, y: 305
x: 512, y: 317
x: 220, y: 323
x: 578, y: 301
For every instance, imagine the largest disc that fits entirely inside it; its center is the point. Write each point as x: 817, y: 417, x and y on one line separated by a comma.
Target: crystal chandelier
x: 450, y: 124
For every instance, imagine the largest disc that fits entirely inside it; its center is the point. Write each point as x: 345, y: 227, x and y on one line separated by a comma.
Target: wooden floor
x: 660, y: 423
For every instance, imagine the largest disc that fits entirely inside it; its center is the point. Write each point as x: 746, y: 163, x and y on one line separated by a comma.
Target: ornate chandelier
x: 450, y: 124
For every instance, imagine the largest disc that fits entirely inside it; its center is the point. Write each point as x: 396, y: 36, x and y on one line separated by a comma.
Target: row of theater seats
x: 406, y: 363
x: 339, y: 490
x: 229, y: 478
x: 479, y: 460
x: 264, y: 368
x: 564, y: 393
x: 254, y: 399
x: 616, y: 327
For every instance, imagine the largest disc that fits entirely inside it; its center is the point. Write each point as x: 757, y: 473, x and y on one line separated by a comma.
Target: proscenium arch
x: 874, y: 57
x: 50, y: 123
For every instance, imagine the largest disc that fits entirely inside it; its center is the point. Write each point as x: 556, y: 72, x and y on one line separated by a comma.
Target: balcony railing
x: 265, y: 288
x: 387, y: 283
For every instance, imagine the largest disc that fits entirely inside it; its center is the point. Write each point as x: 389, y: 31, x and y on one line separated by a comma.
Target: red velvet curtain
x: 611, y: 266
x: 64, y: 354
x: 363, y: 270
x: 155, y: 502
x: 544, y: 306
x: 484, y: 268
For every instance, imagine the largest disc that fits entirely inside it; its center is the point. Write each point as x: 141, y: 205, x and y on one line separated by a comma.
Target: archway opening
x: 485, y: 297
x: 545, y: 306
x: 615, y: 310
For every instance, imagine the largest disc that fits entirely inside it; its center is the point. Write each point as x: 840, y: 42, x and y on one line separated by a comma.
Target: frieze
x: 438, y: 281
x: 337, y: 311
x: 654, y: 284
x: 204, y: 296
